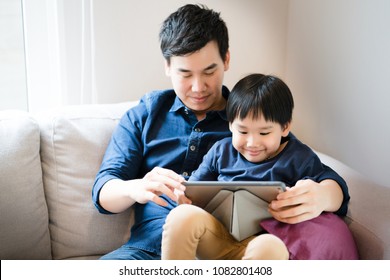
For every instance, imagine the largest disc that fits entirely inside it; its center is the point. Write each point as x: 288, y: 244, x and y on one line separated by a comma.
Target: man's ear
x: 167, y: 68
x: 227, y: 61
x: 286, y: 129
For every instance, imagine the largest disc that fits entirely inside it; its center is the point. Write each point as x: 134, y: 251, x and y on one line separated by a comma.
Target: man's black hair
x: 190, y: 28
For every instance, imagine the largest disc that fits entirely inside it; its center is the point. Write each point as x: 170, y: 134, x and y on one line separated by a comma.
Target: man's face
x: 197, y: 79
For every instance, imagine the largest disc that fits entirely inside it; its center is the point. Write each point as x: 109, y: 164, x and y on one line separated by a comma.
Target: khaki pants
x: 190, y: 232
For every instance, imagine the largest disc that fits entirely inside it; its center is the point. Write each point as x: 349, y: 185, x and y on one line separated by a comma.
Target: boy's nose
x: 251, y: 141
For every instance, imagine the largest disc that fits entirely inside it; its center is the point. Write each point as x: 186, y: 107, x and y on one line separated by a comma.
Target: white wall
x: 338, y: 67
x: 128, y: 58
x: 108, y: 51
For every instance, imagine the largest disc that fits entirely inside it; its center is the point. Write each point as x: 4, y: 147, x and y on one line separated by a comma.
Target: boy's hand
x: 303, y: 202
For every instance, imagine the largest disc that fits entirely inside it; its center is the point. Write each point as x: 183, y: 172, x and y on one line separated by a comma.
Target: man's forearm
x: 114, y: 196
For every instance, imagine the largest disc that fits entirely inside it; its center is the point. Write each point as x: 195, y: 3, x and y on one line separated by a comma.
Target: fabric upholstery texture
x: 73, y: 143
x: 24, y: 231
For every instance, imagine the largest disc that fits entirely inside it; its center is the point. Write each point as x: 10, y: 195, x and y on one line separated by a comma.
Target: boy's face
x: 197, y: 79
x: 256, y: 139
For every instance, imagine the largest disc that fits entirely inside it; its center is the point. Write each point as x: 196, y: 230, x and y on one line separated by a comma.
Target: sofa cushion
x: 326, y: 237
x: 24, y: 227
x: 73, y: 141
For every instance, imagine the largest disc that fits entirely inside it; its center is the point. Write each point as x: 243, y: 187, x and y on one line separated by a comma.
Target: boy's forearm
x: 333, y: 195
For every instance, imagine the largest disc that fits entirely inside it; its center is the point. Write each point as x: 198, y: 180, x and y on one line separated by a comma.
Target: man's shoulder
x: 158, y: 98
x: 150, y: 104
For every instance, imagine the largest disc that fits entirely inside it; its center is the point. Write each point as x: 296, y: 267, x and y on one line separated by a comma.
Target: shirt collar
x: 177, y: 105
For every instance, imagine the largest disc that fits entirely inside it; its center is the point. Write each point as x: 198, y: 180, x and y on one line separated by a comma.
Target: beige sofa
x: 47, y: 168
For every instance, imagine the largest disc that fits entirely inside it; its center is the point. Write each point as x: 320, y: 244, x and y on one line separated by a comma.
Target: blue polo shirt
x: 297, y: 161
x: 159, y: 131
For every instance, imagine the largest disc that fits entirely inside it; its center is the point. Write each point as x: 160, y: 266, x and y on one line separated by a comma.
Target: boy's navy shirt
x: 159, y: 131
x: 295, y: 162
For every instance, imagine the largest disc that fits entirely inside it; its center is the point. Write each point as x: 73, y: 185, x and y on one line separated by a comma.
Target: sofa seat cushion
x: 73, y: 142
x: 24, y: 226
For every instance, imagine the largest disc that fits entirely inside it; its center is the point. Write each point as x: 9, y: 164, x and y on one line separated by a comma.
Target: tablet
x: 202, y: 192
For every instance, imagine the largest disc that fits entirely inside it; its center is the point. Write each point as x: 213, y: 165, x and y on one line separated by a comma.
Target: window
x: 13, y: 89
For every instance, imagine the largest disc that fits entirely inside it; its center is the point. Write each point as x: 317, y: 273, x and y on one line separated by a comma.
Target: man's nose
x: 198, y: 84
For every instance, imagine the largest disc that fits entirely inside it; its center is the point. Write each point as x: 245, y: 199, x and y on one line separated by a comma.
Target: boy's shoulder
x: 223, y: 147
x: 223, y: 143
x: 296, y: 149
x: 298, y: 144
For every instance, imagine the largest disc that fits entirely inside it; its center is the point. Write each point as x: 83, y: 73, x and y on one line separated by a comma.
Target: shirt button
x: 198, y: 129
x: 192, y: 148
x: 185, y: 173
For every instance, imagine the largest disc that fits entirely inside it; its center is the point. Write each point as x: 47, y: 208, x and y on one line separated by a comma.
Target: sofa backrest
x: 24, y: 229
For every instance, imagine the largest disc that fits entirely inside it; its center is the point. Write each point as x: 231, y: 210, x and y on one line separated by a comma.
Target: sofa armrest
x: 24, y: 229
x: 369, y: 211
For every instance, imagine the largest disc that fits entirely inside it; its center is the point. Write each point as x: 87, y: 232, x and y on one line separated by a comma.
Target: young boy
x: 262, y: 148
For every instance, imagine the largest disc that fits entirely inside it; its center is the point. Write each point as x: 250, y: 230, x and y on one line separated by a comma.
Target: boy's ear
x: 286, y: 129
x: 230, y: 127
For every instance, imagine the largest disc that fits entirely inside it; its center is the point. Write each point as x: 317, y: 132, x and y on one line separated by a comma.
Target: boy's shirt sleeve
x: 206, y: 170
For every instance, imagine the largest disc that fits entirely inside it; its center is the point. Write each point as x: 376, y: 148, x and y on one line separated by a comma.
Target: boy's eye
x: 264, y: 133
x: 242, y: 132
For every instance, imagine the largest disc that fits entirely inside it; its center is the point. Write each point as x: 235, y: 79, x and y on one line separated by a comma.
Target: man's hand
x: 181, y: 197
x: 118, y: 195
x: 157, y: 182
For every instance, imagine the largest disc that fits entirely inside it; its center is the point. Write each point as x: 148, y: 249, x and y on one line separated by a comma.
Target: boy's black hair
x: 261, y: 95
x: 189, y: 29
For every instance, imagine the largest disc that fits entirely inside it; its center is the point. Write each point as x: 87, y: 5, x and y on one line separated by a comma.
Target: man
x: 169, y: 132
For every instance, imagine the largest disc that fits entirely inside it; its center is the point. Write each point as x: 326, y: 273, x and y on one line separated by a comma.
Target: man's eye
x: 209, y: 73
